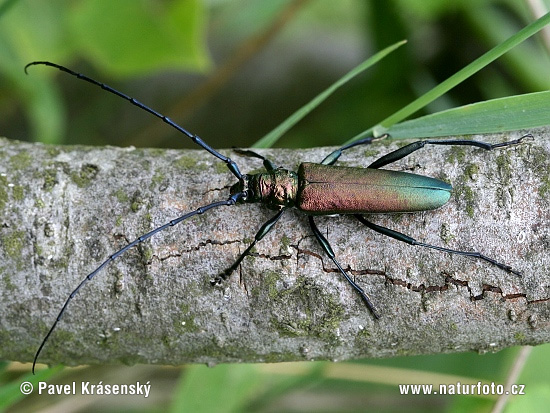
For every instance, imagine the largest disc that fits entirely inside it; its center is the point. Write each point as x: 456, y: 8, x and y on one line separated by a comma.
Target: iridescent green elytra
x: 326, y: 190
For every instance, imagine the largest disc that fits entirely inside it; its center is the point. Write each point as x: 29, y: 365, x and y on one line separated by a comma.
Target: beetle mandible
x: 315, y: 189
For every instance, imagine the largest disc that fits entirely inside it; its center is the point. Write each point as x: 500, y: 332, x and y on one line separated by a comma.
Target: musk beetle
x: 315, y: 189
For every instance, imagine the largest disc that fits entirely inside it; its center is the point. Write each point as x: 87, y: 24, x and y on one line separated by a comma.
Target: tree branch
x: 64, y: 210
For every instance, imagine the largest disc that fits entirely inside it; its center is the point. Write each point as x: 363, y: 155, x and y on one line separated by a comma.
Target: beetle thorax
x: 275, y: 189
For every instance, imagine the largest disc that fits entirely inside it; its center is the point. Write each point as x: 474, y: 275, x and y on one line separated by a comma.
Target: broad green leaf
x: 129, y: 37
x: 124, y: 37
x: 5, y: 6
x: 46, y: 112
x: 33, y: 30
x: 272, y: 137
x: 498, y: 115
x: 535, y: 399
x: 224, y: 388
x: 28, y: 31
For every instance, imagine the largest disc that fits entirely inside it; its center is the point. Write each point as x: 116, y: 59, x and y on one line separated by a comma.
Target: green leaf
x: 5, y: 6
x: 112, y: 34
x: 536, y: 399
x: 10, y: 393
x: 272, y: 137
x: 457, y: 78
x: 224, y: 388
x: 46, y: 111
x: 498, y: 115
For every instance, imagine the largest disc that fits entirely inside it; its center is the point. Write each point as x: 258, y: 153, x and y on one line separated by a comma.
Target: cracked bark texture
x: 64, y: 210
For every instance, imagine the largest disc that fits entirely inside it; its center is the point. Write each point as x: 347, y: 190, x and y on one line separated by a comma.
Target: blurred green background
x: 231, y: 71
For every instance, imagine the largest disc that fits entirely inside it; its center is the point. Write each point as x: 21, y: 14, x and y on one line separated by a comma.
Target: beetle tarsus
x: 518, y: 141
x: 218, y: 280
x: 411, y: 241
x: 328, y: 250
x: 414, y: 146
x: 473, y: 254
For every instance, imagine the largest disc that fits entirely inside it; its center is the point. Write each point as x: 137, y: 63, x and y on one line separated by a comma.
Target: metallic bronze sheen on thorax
x: 275, y: 189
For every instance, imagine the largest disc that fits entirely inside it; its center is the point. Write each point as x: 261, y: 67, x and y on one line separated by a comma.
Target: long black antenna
x: 232, y: 200
x: 195, y: 138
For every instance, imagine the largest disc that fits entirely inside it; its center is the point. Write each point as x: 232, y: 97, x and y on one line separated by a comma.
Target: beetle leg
x: 412, y: 147
x: 411, y: 241
x: 331, y: 158
x: 265, y: 228
x: 270, y: 166
x: 328, y: 249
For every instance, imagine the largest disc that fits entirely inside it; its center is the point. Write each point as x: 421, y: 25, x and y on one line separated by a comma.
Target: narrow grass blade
x: 457, y: 78
x: 498, y: 115
x: 272, y: 137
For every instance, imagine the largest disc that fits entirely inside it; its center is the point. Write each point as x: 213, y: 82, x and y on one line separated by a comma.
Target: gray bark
x: 64, y: 210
